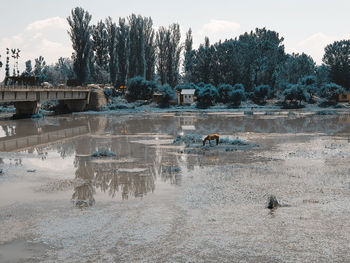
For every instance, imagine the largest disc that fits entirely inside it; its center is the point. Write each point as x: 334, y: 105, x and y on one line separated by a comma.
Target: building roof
x: 188, y: 91
x: 188, y: 127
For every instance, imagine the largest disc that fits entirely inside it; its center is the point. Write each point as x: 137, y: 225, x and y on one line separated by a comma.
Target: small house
x: 344, y: 97
x: 186, y: 96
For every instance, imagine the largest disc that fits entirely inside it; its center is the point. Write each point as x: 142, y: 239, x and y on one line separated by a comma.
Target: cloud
x: 219, y: 27
x: 315, y: 44
x: 47, y: 38
x: 216, y: 30
x: 49, y: 23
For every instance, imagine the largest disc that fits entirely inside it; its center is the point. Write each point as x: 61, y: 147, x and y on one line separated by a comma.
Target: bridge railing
x: 43, y: 87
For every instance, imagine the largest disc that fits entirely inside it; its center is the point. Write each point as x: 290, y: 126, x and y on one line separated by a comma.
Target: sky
x: 39, y: 27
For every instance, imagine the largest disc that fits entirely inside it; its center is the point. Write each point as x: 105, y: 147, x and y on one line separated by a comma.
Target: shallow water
x: 156, y: 201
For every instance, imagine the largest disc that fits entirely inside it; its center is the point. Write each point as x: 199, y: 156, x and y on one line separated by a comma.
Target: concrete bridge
x: 28, y: 99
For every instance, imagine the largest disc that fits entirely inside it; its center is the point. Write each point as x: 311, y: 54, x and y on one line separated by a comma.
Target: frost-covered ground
x: 215, y: 211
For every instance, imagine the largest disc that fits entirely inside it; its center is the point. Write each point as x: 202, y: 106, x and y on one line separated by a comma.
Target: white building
x: 186, y: 96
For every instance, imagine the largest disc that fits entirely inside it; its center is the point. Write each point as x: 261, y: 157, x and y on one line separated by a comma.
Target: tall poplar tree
x: 80, y: 34
x: 123, y: 51
x: 137, y: 61
x: 162, y: 42
x: 174, y: 55
x: 189, y: 55
x: 168, y: 54
x: 112, y: 50
x: 100, y: 45
x: 150, y: 48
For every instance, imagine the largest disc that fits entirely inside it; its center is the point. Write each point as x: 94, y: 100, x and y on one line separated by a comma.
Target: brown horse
x: 211, y: 137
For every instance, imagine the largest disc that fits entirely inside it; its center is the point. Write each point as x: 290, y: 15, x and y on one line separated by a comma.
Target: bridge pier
x: 75, y: 105
x: 27, y: 108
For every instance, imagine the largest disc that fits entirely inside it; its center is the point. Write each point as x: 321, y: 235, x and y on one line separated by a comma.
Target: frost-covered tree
x: 112, y: 50
x: 80, y: 34
x: 137, y: 59
x: 123, y: 51
x: 337, y: 58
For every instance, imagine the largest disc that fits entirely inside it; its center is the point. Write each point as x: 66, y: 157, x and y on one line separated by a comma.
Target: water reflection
x: 84, y: 192
x: 112, y: 178
x: 138, y: 166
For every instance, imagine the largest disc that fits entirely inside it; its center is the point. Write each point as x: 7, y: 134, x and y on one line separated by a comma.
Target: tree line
x: 117, y: 51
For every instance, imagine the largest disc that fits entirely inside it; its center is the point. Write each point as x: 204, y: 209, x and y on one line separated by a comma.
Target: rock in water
x: 272, y: 202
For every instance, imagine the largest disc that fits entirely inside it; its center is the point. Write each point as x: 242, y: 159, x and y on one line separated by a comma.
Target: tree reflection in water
x: 84, y: 192
x: 111, y: 179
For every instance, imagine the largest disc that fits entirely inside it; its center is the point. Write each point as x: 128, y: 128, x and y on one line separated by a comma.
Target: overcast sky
x: 39, y: 27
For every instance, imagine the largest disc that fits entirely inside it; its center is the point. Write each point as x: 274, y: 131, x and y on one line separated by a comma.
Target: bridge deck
x: 24, y: 88
x: 40, y: 93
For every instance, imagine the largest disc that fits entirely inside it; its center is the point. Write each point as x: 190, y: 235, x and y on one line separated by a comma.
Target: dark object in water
x: 84, y: 203
x: 103, y: 153
x: 272, y: 202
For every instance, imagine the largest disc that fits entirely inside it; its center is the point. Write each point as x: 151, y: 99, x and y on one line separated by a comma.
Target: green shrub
x: 235, y: 97
x: 140, y: 89
x: 167, y: 94
x: 261, y: 93
x: 294, y: 95
x: 206, y: 96
x: 330, y: 92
